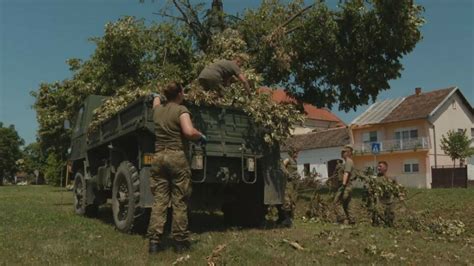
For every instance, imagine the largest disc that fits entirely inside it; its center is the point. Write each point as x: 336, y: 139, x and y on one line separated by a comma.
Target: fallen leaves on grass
x: 181, y: 259
x: 294, y: 244
x: 211, y: 259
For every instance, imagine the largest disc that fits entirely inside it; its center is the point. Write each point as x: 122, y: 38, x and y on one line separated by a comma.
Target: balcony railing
x: 392, y: 145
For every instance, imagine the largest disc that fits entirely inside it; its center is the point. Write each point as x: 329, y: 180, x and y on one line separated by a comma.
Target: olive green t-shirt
x: 220, y: 70
x: 167, y: 126
x: 349, y: 168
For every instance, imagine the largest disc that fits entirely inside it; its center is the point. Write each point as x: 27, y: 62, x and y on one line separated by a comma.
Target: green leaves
x: 10, y: 152
x: 456, y: 144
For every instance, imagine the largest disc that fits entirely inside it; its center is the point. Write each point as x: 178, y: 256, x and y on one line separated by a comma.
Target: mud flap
x: 146, y: 197
x: 274, y: 187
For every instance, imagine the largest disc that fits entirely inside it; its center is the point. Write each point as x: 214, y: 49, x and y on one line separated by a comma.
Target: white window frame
x: 408, y: 129
x: 366, y: 136
x: 411, y: 162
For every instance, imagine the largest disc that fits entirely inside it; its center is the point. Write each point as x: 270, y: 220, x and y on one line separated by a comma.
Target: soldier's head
x: 382, y: 168
x: 346, y: 151
x: 240, y: 59
x: 174, y: 92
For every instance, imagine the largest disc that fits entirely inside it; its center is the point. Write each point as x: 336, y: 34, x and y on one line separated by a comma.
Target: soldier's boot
x: 288, y: 221
x: 281, y: 216
x: 182, y: 246
x: 155, y: 247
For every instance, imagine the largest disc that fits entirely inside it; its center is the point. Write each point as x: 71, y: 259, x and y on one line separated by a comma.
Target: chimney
x: 417, y: 91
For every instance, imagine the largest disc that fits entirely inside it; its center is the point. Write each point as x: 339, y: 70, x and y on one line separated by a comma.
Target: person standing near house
x: 343, y: 194
x: 170, y: 174
x: 386, y: 200
x: 222, y: 73
x: 286, y: 211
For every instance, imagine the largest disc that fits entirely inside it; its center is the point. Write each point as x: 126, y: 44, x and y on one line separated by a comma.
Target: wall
x: 317, y: 158
x: 448, y: 118
x: 396, y: 161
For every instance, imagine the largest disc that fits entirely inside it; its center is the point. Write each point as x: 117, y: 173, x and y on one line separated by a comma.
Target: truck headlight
x: 197, y: 162
x: 251, y: 164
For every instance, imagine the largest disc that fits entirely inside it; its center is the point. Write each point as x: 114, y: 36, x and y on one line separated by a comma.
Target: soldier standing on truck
x: 286, y: 211
x: 222, y: 73
x: 343, y: 194
x: 170, y: 180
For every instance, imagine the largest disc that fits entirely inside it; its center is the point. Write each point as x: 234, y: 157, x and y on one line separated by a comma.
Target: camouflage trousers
x: 343, y: 197
x: 383, y: 213
x: 289, y: 200
x: 170, y: 183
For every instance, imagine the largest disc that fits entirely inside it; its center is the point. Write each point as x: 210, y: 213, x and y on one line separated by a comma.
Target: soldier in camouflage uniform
x: 386, y: 200
x: 170, y: 175
x: 343, y: 195
x: 286, y: 211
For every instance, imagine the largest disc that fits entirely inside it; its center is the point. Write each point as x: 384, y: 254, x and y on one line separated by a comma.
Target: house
x: 409, y: 130
x: 316, y: 118
x: 319, y: 151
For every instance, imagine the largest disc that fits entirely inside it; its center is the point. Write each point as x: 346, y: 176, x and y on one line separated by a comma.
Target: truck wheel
x: 125, y: 196
x: 80, y: 197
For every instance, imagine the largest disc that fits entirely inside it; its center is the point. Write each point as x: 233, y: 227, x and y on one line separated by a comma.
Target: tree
x: 457, y: 145
x: 10, y: 152
x: 345, y: 56
x: 34, y: 160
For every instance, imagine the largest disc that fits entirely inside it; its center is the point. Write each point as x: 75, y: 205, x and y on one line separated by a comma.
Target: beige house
x: 409, y: 131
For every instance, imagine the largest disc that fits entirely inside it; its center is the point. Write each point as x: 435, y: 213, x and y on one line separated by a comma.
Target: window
x: 411, y: 166
x: 472, y: 133
x: 370, y: 137
x: 453, y: 105
x: 79, y: 120
x: 460, y: 130
x: 406, y: 134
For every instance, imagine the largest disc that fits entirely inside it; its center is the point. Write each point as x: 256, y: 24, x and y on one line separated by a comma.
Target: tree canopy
x: 324, y: 56
x: 457, y: 145
x: 10, y: 152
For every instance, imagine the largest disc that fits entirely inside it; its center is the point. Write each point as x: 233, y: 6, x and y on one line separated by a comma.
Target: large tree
x: 343, y: 55
x: 10, y: 152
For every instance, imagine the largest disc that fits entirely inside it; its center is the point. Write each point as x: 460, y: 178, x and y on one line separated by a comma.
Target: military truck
x: 234, y: 172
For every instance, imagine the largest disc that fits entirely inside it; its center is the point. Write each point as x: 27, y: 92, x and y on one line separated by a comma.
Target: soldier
x: 286, y: 211
x: 170, y: 175
x: 222, y: 73
x: 386, y: 200
x: 343, y: 194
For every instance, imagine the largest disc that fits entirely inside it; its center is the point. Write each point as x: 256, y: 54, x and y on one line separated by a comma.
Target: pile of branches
x: 276, y: 119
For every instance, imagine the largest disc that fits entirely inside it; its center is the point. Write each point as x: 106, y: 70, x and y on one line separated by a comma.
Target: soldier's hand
x: 203, y: 140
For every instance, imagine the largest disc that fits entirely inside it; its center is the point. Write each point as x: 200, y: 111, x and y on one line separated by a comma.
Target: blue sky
x: 37, y: 36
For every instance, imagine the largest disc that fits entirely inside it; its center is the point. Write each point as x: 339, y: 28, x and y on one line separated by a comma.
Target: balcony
x: 421, y: 143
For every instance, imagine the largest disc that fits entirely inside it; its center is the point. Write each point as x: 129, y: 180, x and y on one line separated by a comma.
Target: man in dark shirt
x: 170, y: 174
x: 222, y: 73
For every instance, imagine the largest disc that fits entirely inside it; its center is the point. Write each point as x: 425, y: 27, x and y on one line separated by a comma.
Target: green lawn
x: 38, y: 226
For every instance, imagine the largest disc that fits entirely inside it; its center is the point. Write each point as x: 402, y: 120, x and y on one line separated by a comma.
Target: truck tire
x: 125, y: 196
x: 80, y: 197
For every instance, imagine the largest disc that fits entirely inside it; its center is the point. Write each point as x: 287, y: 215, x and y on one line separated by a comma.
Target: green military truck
x: 235, y: 172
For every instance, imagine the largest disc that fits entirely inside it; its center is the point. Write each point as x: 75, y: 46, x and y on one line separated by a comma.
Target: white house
x: 319, y: 151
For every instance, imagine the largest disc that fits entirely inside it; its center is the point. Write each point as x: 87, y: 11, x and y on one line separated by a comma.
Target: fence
x: 449, y: 177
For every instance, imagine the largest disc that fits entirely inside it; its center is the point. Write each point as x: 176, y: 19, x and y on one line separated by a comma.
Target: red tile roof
x: 312, y: 112
x: 418, y: 106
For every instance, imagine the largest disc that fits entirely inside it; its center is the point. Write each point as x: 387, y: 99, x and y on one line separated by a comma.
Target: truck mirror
x: 67, y: 124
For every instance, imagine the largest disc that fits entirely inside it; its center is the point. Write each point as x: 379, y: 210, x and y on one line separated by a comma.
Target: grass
x: 38, y: 227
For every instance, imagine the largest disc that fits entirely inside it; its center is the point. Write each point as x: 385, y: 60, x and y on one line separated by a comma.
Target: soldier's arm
x: 187, y: 127
x: 244, y: 81
x: 345, y: 178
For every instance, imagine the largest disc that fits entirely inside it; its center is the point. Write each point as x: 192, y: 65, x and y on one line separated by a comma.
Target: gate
x: 449, y: 177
